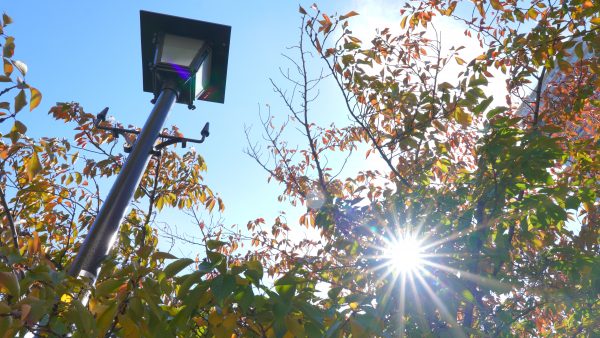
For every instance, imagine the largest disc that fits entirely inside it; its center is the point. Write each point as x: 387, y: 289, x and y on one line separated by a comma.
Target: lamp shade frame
x: 216, y: 37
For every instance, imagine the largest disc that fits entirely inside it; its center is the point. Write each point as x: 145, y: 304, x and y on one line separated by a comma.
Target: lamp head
x: 193, y: 54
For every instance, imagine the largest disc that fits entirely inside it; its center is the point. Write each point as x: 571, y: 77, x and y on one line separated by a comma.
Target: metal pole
x: 103, y: 232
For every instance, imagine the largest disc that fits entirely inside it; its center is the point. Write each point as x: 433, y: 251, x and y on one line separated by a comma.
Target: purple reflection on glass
x: 182, y: 72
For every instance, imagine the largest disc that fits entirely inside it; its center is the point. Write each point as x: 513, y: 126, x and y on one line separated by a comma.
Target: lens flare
x: 404, y: 255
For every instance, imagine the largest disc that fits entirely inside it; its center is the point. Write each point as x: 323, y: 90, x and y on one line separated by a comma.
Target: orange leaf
x: 348, y: 15
x: 8, y: 67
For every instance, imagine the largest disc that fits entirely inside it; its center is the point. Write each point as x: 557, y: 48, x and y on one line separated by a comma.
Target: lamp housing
x: 190, y: 53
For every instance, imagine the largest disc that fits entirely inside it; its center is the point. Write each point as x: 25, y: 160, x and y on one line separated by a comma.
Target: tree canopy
x: 472, y: 214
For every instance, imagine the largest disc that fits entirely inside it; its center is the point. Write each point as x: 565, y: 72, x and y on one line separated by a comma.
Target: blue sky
x: 89, y: 52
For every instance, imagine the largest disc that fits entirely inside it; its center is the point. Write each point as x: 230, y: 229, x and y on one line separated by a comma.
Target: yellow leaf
x: 354, y: 305
x: 496, y: 5
x: 459, y: 60
x: 462, y: 117
x: 36, y: 98
x: 596, y: 21
x: 33, y: 166
x: 403, y: 22
x: 66, y: 298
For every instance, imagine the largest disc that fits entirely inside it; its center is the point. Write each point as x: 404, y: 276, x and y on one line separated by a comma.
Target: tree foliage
x: 495, y: 188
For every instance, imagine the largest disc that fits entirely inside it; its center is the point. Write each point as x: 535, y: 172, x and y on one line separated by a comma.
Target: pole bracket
x: 166, y: 140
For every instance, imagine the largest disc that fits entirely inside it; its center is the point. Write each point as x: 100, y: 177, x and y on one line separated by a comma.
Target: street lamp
x: 192, y: 53
x: 183, y: 60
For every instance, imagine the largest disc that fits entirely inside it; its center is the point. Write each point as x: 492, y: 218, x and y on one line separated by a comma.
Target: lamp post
x: 183, y: 60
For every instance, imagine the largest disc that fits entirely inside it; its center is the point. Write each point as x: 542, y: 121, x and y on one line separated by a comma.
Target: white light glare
x: 405, y: 254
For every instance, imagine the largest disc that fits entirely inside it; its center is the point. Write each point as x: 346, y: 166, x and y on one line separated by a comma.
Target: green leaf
x: 163, y: 255
x: 188, y: 281
x: 572, y: 202
x: 107, y: 287
x: 211, y: 244
x: 496, y: 111
x: 106, y: 318
x: 222, y: 287
x: 245, y: 298
x: 477, y: 81
x: 9, y: 282
x: 215, y: 257
x: 468, y: 296
x: 20, y: 101
x: 175, y: 267
x: 254, y: 272
x: 483, y: 105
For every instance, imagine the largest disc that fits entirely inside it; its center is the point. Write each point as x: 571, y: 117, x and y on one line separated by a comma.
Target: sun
x: 404, y: 254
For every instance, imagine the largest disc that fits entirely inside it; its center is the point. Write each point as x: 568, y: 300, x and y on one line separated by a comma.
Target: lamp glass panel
x: 203, y: 75
x: 178, y: 50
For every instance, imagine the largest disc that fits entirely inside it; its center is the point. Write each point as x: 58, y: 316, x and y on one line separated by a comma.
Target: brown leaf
x: 9, y: 47
x: 20, y: 101
x: 6, y: 20
x: 301, y: 10
x: 19, y: 127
